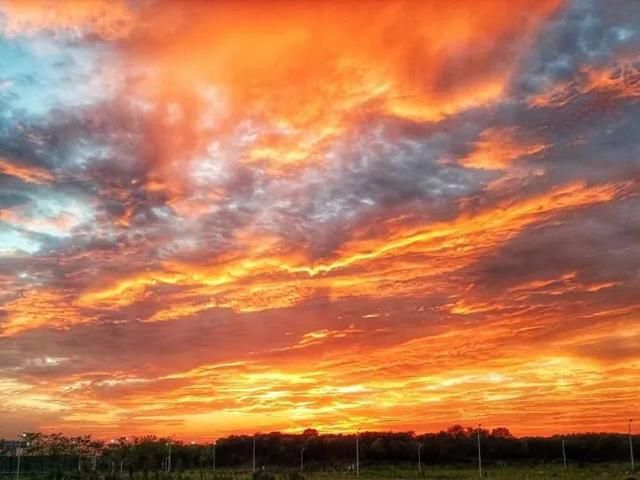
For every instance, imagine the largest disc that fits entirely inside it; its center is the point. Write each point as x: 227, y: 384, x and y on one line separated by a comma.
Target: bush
x: 262, y: 475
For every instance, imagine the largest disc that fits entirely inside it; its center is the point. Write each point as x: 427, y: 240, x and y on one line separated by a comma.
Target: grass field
x: 498, y: 473
x: 539, y: 472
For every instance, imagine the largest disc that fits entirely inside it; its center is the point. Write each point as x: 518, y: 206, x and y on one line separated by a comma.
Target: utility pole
x: 214, y: 455
x: 169, y: 459
x: 479, y: 452
x: 302, y: 459
x: 633, y: 462
x: 419, y: 460
x: 564, y: 454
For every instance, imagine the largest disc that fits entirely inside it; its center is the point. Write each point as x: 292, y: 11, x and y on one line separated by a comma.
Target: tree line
x: 456, y: 445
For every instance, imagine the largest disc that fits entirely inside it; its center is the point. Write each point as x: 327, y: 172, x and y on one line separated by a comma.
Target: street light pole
x: 302, y: 459
x: 633, y: 462
x: 564, y: 454
x: 419, y: 460
x: 169, y: 459
x: 254, y: 452
x: 19, y: 453
x: 79, y: 456
x: 479, y: 452
x: 357, y: 456
x: 214, y: 455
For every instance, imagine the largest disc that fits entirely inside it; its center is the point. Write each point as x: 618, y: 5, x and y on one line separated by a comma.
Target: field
x: 538, y: 472
x: 608, y: 471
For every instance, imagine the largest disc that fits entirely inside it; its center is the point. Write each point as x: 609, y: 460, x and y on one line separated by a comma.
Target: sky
x: 229, y: 217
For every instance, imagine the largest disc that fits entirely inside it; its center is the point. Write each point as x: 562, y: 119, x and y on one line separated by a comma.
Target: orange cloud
x: 232, y: 104
x: 278, y: 86
x: 444, y: 372
x: 37, y: 309
x: 619, y: 80
x: 389, y: 265
x: 496, y: 149
x: 106, y: 18
x: 29, y: 174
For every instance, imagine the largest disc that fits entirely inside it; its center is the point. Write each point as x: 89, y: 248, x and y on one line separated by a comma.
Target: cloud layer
x: 223, y: 218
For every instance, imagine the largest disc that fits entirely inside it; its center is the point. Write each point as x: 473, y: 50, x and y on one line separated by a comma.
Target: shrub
x: 262, y: 475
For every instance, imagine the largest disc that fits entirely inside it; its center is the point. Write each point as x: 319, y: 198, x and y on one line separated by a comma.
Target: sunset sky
x: 229, y: 217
